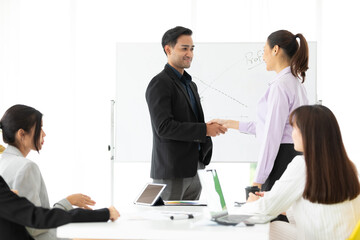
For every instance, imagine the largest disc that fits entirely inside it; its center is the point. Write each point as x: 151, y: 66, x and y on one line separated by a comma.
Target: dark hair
x: 21, y: 117
x: 299, y: 55
x: 331, y: 176
x: 170, y: 36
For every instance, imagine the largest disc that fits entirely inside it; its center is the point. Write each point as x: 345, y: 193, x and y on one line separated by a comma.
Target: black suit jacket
x: 17, y: 212
x: 177, y: 131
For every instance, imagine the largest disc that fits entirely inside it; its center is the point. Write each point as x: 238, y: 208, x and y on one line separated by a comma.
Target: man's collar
x: 179, y: 75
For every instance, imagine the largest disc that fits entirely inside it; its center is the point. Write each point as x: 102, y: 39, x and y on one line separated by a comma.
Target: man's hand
x: 114, y: 214
x: 214, y: 129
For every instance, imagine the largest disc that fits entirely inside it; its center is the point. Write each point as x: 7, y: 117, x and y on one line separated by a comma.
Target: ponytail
x: 300, y: 61
x: 299, y: 55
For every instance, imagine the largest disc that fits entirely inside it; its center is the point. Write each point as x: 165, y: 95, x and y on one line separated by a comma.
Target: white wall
x: 339, y: 68
x: 59, y: 57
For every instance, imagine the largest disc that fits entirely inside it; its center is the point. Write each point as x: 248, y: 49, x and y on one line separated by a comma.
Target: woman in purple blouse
x: 288, y: 55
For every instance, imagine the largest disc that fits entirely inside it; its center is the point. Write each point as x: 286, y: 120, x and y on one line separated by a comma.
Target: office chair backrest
x: 2, y: 148
x: 355, y: 235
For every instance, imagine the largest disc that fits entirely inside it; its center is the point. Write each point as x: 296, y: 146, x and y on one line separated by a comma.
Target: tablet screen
x: 150, y: 194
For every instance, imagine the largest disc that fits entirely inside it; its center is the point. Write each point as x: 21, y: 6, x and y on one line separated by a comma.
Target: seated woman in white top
x: 322, y: 186
x: 22, y: 130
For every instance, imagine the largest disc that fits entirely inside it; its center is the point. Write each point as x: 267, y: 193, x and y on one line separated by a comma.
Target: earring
x: 273, y: 54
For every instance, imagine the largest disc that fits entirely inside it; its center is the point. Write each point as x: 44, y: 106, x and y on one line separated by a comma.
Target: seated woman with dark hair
x: 322, y: 186
x: 22, y: 130
x: 17, y: 212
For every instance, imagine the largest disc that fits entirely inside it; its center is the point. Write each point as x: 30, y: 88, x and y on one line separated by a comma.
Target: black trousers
x: 285, y: 155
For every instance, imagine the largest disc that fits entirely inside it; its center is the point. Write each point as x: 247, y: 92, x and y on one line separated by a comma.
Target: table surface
x: 145, y: 222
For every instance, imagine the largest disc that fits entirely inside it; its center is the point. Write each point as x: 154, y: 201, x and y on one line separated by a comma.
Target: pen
x: 181, y: 216
x: 239, y: 204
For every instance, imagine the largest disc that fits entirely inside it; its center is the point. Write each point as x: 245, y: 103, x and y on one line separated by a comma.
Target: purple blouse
x: 272, y: 127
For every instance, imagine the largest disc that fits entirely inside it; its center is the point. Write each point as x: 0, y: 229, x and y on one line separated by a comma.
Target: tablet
x: 150, y: 194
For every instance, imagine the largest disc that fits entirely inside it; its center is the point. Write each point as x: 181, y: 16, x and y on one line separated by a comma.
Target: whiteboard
x: 231, y: 79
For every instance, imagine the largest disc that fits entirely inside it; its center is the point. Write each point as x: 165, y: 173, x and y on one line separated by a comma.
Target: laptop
x: 215, y: 200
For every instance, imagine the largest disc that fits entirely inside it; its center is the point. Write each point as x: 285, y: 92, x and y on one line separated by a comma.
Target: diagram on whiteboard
x: 235, y: 83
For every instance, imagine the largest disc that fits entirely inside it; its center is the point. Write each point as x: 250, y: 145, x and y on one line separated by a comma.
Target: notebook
x: 215, y: 199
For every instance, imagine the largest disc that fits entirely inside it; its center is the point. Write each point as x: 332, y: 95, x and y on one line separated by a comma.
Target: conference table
x: 150, y: 222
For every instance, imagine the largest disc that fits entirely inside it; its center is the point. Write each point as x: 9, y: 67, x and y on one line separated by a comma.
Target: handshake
x: 216, y: 127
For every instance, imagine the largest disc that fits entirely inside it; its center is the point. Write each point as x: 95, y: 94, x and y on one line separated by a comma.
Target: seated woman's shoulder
x: 299, y: 158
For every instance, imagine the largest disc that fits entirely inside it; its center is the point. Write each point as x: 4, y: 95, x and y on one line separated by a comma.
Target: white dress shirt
x: 313, y: 220
x: 24, y: 176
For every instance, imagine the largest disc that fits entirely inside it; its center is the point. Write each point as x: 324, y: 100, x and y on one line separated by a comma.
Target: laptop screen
x: 214, y: 195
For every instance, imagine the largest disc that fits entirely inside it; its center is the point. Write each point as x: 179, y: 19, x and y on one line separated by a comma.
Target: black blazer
x: 17, y: 212
x: 177, y: 131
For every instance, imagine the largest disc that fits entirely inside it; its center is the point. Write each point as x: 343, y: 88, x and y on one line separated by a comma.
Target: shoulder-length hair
x: 21, y: 117
x: 331, y: 176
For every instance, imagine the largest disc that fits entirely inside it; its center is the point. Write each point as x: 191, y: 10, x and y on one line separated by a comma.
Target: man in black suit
x: 17, y: 212
x: 181, y: 138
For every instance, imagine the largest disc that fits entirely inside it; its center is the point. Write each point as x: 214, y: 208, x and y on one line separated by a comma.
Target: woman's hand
x: 81, y: 200
x: 226, y: 123
x: 114, y: 214
x: 254, y: 197
x: 260, y: 194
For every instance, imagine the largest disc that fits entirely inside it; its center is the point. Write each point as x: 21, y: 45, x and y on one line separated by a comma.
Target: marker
x: 181, y: 216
